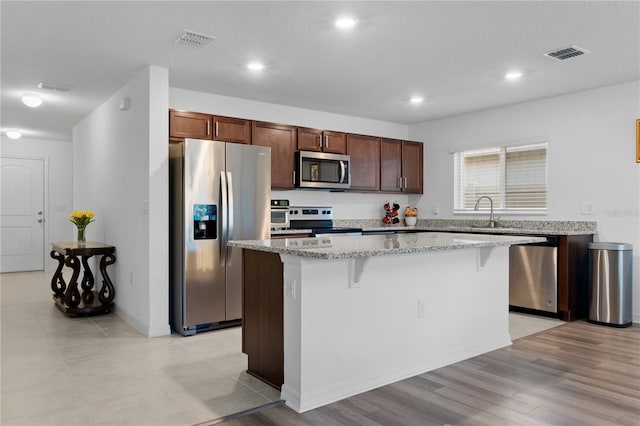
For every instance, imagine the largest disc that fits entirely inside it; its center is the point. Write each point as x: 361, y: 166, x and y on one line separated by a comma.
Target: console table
x: 67, y: 297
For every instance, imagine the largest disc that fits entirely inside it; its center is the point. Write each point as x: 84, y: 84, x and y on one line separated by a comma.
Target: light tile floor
x: 522, y: 325
x: 101, y: 371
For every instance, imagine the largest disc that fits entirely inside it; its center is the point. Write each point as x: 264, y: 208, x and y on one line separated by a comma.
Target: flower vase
x: 81, y: 241
x: 410, y: 220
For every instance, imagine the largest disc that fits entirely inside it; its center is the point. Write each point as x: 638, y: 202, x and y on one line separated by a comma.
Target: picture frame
x: 638, y: 141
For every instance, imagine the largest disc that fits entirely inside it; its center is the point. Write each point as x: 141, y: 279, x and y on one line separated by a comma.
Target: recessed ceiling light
x: 255, y: 66
x: 513, y: 75
x: 31, y: 100
x: 345, y: 22
x: 13, y: 134
x: 416, y: 100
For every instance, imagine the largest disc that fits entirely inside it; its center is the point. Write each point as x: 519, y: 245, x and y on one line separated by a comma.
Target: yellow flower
x: 81, y: 218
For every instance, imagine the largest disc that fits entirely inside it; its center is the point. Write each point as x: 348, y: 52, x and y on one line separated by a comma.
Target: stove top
x: 318, y: 219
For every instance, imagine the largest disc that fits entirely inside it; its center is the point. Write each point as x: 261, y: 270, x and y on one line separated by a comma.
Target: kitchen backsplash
x: 346, y: 205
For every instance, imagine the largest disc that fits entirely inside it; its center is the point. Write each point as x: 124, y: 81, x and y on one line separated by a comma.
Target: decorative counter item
x: 391, y: 213
x: 410, y: 216
x: 410, y: 220
x: 81, y: 218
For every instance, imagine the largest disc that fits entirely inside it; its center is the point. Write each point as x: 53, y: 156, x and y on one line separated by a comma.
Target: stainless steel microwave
x: 322, y: 170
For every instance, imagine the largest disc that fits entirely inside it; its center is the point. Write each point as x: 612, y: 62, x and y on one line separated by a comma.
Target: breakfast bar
x: 342, y: 315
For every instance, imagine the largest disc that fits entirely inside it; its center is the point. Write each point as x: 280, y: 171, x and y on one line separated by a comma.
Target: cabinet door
x: 390, y: 165
x: 189, y: 125
x: 335, y: 142
x: 364, y: 152
x: 230, y: 129
x: 412, y: 167
x: 309, y: 139
x: 282, y: 141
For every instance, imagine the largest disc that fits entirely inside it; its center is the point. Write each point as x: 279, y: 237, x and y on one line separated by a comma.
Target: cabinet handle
x: 217, y: 128
x: 294, y: 178
x: 208, y: 127
x: 405, y: 183
x: 320, y: 141
x: 326, y: 141
x: 399, y: 182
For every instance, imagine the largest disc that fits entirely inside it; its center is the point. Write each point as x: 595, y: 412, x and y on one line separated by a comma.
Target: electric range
x: 319, y: 220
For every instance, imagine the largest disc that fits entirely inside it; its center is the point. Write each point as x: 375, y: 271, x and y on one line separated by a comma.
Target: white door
x: 21, y: 214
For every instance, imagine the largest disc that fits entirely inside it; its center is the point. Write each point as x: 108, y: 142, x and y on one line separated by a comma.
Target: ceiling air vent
x: 566, y: 53
x: 193, y: 39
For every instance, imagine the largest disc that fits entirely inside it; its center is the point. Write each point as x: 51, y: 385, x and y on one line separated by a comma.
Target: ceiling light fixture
x: 345, y: 23
x: 416, y: 100
x: 31, y: 100
x: 513, y: 75
x: 255, y: 66
x: 13, y: 134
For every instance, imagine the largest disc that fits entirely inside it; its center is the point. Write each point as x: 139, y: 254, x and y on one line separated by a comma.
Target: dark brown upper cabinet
x: 412, y: 167
x: 183, y: 124
x: 322, y: 140
x: 282, y: 141
x: 401, y: 166
x: 229, y: 129
x: 364, y: 153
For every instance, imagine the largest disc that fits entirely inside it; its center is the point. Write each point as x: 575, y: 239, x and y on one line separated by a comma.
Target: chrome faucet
x: 492, y: 223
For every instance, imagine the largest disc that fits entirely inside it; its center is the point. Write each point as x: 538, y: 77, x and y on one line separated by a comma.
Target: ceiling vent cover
x: 193, y: 39
x: 566, y: 53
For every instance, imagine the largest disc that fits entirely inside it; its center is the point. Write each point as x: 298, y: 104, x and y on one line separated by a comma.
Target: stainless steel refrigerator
x: 218, y: 192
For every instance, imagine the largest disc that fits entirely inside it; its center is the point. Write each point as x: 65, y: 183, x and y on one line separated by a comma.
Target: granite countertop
x: 507, y: 227
x: 341, y: 247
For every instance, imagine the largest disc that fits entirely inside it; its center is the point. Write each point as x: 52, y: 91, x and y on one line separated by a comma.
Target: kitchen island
x: 360, y: 312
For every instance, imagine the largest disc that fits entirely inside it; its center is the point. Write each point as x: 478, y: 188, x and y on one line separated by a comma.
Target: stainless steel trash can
x: 610, y: 283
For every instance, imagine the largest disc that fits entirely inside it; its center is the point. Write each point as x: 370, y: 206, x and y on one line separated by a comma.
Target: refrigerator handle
x: 224, y: 216
x: 230, y: 211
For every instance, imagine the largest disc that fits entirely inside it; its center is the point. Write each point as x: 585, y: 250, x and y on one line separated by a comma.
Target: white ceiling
x: 453, y: 53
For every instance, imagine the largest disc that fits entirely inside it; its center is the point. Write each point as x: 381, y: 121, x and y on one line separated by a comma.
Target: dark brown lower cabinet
x: 262, y: 316
x: 573, y: 276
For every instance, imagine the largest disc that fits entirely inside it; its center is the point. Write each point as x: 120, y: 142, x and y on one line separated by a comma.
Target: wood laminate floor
x: 574, y: 374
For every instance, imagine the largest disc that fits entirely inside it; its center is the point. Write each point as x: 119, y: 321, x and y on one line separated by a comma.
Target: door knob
x: 40, y: 220
x: 40, y: 213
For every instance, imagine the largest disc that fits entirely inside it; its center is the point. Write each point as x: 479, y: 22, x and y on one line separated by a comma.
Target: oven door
x: 279, y: 217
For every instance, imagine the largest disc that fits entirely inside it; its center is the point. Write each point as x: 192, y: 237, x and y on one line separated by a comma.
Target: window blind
x: 515, y: 177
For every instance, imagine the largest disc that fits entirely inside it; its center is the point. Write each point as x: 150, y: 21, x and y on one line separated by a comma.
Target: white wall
x: 346, y: 205
x: 120, y: 171
x: 591, y: 157
x: 58, y: 157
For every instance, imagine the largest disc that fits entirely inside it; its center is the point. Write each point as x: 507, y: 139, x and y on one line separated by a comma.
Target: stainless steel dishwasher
x: 533, y: 276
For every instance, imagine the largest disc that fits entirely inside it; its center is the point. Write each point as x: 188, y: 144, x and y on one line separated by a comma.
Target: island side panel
x: 344, y: 337
x: 262, y: 316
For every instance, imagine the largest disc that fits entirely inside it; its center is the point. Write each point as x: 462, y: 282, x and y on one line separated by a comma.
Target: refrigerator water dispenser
x: 205, y: 222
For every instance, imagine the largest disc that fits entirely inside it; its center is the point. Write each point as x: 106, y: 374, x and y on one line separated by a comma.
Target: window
x: 515, y: 177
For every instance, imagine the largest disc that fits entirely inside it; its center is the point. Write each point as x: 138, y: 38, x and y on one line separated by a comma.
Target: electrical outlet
x: 435, y: 209
x: 587, y: 208
x: 420, y: 308
x: 291, y: 289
